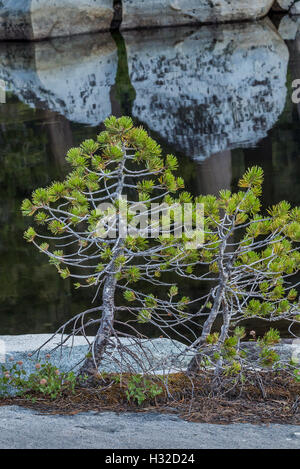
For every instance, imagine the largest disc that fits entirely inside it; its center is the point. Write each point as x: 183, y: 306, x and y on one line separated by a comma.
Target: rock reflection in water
x: 209, y: 90
x: 72, y: 76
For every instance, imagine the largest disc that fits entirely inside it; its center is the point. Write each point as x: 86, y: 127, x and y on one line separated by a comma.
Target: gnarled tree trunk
x: 90, y: 367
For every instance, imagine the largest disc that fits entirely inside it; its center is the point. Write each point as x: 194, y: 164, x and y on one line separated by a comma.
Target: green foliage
x: 173, y: 291
x: 133, y: 274
x: 253, y: 178
x: 46, y: 380
x: 41, y: 218
x: 129, y: 295
x: 171, y: 162
x: 150, y: 301
x: 30, y: 234
x: 140, y: 389
x: 146, y: 185
x: 144, y: 316
x: 240, y: 332
x: 27, y: 208
x: 233, y: 369
x: 271, y: 337
x: 297, y: 375
x: 183, y: 302
x: 213, y: 338
x: 268, y: 357
x: 56, y: 227
x: 41, y: 197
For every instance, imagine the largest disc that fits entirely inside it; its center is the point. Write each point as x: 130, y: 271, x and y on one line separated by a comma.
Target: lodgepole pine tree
x: 253, y: 260
x: 82, y: 235
x: 88, y: 229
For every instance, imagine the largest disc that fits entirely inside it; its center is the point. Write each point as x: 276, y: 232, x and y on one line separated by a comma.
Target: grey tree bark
x: 90, y: 366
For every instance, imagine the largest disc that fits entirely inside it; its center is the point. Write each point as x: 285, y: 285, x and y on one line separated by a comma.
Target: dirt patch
x: 265, y: 399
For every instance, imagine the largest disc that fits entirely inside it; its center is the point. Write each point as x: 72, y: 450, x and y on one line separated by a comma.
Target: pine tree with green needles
x: 79, y: 224
x: 92, y: 227
x: 253, y: 260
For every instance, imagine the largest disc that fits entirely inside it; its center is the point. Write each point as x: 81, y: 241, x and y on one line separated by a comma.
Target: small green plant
x: 297, y: 375
x: 271, y: 337
x: 46, y: 380
x: 268, y: 357
x: 140, y: 389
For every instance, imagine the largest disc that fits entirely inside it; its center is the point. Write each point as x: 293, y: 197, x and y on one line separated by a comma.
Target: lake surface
x: 217, y: 97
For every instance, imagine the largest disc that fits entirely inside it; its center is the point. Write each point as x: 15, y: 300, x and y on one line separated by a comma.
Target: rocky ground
x: 158, y: 356
x: 26, y: 429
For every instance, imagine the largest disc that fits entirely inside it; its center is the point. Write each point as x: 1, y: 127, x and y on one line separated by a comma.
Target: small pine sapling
x: 253, y: 260
x: 82, y: 221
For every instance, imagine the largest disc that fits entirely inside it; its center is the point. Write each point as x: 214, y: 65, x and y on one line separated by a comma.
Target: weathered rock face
x: 295, y: 9
x: 15, y: 20
x: 40, y: 19
x: 144, y: 13
x: 292, y: 6
x: 283, y: 5
x: 289, y: 27
x: 191, y: 89
x: 160, y: 355
x: 144, y: 355
x: 72, y: 77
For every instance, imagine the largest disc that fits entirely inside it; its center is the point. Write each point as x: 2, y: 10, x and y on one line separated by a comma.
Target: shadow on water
x: 218, y: 97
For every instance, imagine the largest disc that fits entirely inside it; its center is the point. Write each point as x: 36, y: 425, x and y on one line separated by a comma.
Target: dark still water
x: 217, y: 97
